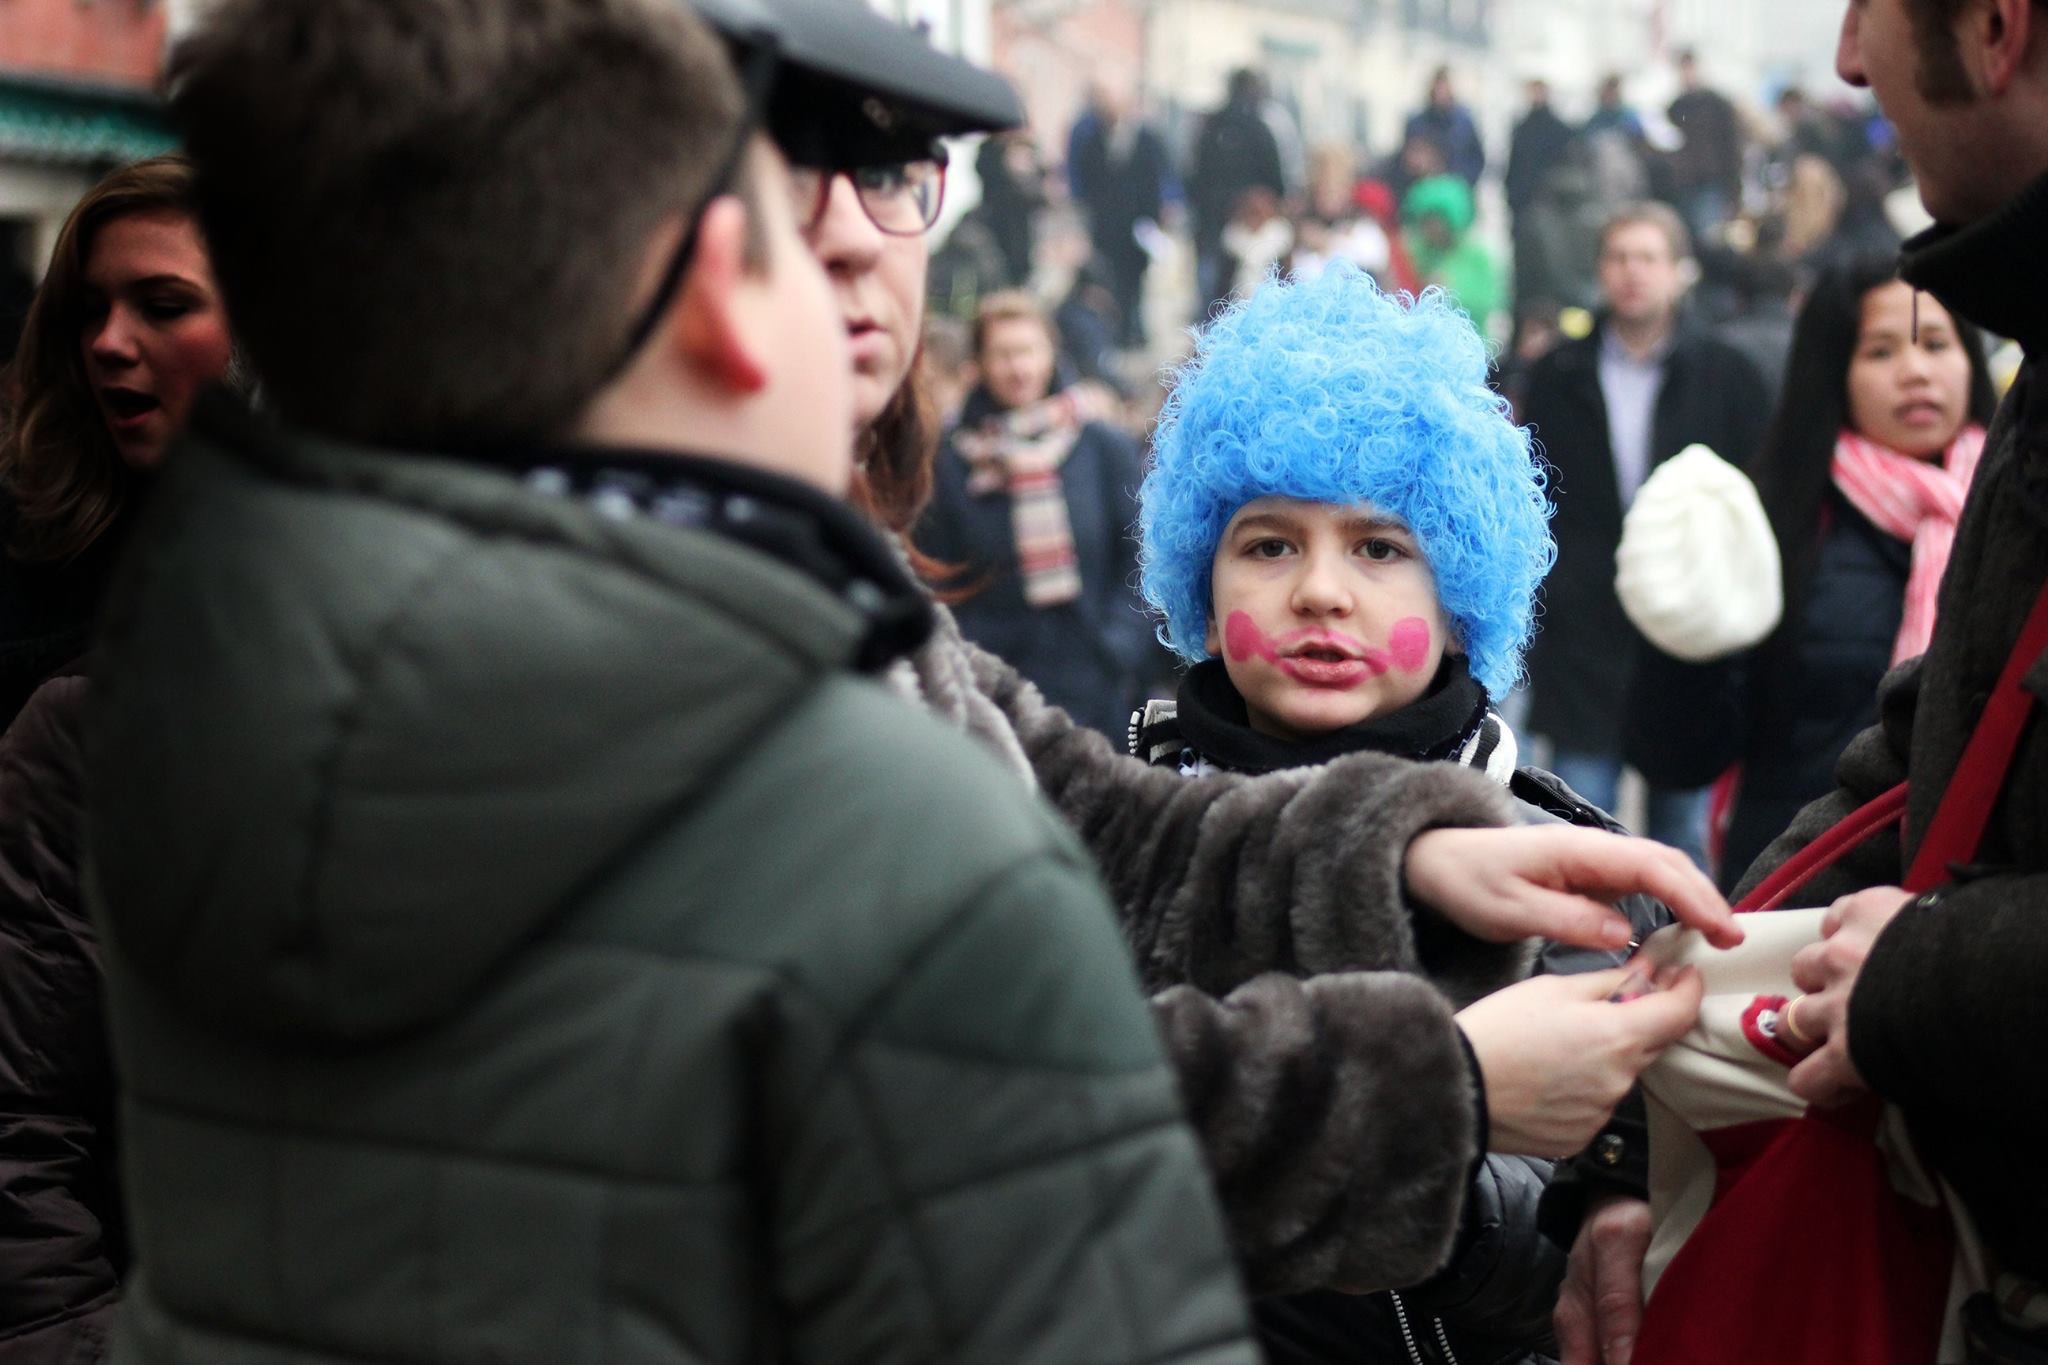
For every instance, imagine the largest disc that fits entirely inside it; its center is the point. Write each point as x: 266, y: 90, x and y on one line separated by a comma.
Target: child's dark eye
x: 1380, y: 551
x: 1268, y: 548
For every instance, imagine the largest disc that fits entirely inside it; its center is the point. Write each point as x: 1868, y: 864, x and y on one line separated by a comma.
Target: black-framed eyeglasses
x: 902, y: 199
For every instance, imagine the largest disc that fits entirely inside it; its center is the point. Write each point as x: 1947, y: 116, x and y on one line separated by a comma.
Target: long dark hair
x: 1791, y: 469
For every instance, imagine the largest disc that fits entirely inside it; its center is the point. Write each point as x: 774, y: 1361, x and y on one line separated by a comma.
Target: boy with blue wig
x: 1344, y: 531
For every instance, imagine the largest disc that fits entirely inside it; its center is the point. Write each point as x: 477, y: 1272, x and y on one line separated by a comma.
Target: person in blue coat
x: 1035, y: 496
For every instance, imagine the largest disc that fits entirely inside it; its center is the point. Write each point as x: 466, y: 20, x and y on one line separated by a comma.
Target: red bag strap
x: 1957, y: 828
x: 1966, y: 804
x: 1845, y: 834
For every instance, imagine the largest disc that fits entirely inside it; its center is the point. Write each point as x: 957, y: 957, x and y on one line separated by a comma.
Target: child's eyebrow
x: 1379, y: 521
x: 1265, y: 521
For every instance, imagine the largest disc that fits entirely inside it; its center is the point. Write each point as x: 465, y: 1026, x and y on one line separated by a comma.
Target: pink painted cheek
x: 1409, y: 643
x: 1242, y: 639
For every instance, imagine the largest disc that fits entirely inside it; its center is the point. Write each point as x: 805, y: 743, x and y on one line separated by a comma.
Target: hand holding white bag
x: 1698, y: 569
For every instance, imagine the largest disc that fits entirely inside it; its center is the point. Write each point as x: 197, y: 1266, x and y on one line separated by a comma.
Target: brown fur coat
x: 1305, y: 1002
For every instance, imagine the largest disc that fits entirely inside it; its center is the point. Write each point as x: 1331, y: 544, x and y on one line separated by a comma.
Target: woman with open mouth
x: 124, y: 333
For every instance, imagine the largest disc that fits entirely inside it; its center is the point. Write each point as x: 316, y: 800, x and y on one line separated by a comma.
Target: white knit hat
x: 1697, y: 570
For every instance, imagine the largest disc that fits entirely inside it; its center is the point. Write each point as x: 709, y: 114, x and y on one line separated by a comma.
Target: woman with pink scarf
x: 1862, y: 475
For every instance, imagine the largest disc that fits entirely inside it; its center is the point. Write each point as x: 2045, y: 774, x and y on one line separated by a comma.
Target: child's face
x: 1324, y: 615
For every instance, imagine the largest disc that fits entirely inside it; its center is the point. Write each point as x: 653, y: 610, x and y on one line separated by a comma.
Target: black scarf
x: 1211, y: 717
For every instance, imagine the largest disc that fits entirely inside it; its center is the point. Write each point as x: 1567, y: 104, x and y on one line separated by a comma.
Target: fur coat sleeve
x: 1340, y: 1121
x: 1298, y: 871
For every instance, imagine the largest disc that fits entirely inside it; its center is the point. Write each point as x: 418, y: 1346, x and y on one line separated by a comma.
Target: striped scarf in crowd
x: 1020, y: 453
x: 1917, y: 501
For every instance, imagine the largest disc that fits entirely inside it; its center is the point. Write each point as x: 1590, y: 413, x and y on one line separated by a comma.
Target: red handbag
x: 1809, y: 1251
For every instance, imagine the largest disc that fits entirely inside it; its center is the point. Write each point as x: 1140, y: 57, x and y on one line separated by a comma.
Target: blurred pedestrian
x: 1012, y: 179
x: 1122, y: 176
x: 1437, y: 218
x: 1706, y: 170
x: 1034, y: 503
x: 1862, y: 473
x: 1234, y: 152
x: 1538, y: 144
x: 1607, y: 410
x: 126, y: 330
x: 1257, y: 241
x: 1446, y: 121
x: 1612, y: 112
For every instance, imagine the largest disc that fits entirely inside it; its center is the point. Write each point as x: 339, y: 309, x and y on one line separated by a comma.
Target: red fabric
x: 1808, y: 1254
x: 1804, y: 1257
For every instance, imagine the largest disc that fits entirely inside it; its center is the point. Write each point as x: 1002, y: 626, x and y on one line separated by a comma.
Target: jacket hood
x: 1444, y: 195
x: 367, y: 722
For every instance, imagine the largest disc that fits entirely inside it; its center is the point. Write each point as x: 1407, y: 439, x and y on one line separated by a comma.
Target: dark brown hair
x: 430, y: 218
x: 57, y: 461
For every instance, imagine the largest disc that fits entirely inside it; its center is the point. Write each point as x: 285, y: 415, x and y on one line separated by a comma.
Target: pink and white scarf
x: 1019, y: 453
x: 1917, y: 501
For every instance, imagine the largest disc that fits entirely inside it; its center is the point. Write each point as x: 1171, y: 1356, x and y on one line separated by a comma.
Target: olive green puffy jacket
x: 529, y: 941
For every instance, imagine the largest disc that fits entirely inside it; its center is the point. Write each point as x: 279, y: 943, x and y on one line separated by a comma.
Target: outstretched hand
x: 1558, y: 882
x: 1556, y: 1054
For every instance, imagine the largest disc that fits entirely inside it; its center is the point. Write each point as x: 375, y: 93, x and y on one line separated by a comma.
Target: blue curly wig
x: 1331, y: 391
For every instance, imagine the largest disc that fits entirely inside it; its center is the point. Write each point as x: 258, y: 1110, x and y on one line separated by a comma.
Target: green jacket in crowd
x: 530, y: 938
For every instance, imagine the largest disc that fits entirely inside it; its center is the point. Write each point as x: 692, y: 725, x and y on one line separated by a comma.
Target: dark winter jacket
x: 46, y: 613
x: 1235, y: 151
x: 1711, y: 155
x: 1270, y: 915
x: 1539, y: 143
x: 1095, y: 656
x: 62, y: 1248
x: 531, y: 939
x: 1786, y: 710
x: 1949, y: 1019
x: 1120, y: 190
x: 1492, y: 1302
x: 1584, y: 650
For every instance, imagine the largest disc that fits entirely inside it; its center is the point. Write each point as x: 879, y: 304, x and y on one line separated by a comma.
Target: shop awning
x: 54, y: 124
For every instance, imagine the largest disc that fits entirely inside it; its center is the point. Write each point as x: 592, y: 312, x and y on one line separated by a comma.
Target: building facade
x: 76, y: 99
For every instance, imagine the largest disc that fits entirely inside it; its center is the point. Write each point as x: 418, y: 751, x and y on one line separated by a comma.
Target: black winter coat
x: 62, y: 1250
x: 1584, y: 650
x: 1094, y: 657
x: 1235, y: 151
x: 46, y: 613
x: 1120, y: 192
x: 1948, y: 1018
x: 1786, y: 710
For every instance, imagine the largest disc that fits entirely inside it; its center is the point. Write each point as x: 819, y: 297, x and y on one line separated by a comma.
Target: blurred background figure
x: 1033, y: 505
x: 1235, y: 151
x: 1607, y: 409
x: 1121, y: 176
x: 1437, y: 217
x: 1333, y: 226
x: 124, y: 334
x: 1612, y: 112
x: 1862, y: 474
x: 1445, y: 121
x: 1706, y: 170
x: 1012, y: 178
x: 1538, y: 144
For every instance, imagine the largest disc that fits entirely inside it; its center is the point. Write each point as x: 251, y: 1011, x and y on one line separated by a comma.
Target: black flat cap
x: 855, y: 89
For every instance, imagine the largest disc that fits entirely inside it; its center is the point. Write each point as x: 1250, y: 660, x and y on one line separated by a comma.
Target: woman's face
x: 878, y: 281
x: 154, y: 333
x: 1910, y: 394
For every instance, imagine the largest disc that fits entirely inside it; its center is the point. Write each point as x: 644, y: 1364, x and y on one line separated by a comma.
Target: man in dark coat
x: 1706, y: 171
x: 1607, y: 410
x: 1235, y: 152
x: 1539, y: 141
x: 1935, y: 1002
x: 1121, y: 174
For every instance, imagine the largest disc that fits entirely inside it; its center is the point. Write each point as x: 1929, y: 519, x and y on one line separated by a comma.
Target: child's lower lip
x: 1332, y: 672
